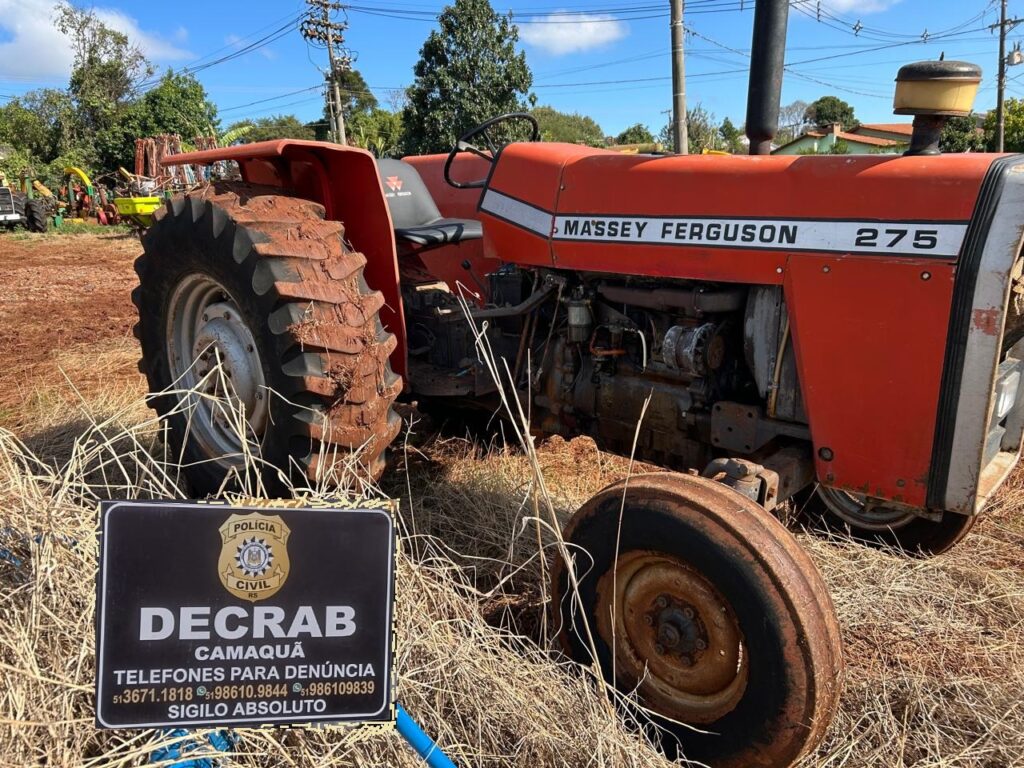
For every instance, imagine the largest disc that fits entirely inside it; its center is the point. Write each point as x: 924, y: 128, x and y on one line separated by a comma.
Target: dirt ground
x: 934, y: 649
x: 61, y: 294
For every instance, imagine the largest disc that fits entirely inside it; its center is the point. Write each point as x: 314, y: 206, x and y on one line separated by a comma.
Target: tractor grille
x: 6, y: 202
x: 1006, y: 423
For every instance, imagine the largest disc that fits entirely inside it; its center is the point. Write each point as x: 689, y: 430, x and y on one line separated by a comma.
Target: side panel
x: 869, y: 343
x: 866, y: 246
x: 524, y: 188
x: 346, y: 182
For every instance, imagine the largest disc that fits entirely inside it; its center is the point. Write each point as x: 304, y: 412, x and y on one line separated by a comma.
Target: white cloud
x: 562, y: 33
x: 37, y: 51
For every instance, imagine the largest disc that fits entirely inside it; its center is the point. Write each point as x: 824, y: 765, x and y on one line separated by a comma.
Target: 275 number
x: 922, y: 239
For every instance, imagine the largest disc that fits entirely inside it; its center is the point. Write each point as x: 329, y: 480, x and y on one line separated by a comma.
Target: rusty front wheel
x: 707, y: 607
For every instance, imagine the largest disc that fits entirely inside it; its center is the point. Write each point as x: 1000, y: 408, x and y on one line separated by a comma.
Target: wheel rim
x: 214, y: 360
x: 673, y: 635
x: 861, y: 512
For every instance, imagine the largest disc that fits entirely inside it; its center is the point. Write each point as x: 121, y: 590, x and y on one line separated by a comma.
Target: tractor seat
x: 414, y: 212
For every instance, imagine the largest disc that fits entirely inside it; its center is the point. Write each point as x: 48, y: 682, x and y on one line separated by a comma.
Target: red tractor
x: 844, y: 324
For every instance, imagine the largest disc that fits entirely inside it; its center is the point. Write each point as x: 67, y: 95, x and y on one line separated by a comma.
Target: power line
x: 262, y: 42
x: 817, y: 12
x: 887, y: 46
x: 789, y: 68
x: 238, y: 41
x: 277, y: 107
x: 271, y: 98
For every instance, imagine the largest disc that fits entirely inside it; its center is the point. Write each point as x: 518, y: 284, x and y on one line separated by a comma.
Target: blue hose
x: 222, y: 741
x: 418, y: 740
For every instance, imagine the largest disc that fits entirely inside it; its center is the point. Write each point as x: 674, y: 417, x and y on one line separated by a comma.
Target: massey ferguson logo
x: 393, y: 183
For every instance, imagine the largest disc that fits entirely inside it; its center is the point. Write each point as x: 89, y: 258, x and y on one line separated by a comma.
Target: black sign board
x: 210, y: 614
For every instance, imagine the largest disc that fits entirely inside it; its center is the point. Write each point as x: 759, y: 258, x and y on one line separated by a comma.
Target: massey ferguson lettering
x: 930, y: 239
x: 691, y: 231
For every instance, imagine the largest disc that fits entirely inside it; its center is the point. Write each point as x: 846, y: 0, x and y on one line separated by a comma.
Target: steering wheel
x: 464, y: 144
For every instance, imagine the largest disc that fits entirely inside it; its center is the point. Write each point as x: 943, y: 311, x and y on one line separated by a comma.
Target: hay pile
x: 934, y: 669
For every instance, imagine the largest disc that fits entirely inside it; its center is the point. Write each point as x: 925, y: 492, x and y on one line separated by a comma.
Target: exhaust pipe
x: 767, y: 56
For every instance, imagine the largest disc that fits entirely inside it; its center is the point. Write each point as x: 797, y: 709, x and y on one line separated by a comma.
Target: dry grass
x: 934, y: 669
x: 489, y: 696
x: 934, y: 649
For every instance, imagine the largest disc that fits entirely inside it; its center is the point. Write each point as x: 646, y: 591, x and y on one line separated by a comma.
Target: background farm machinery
x: 124, y: 197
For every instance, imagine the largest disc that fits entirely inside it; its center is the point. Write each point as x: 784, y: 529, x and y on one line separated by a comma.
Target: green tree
x: 637, y: 133
x: 572, y: 128
x: 828, y: 110
x: 268, y: 128
x: 731, y: 136
x: 791, y: 121
x: 468, y: 72
x: 378, y: 130
x: 1013, y: 130
x: 94, y: 123
x: 107, y: 69
x: 177, y: 104
x: 701, y: 131
x: 35, y: 123
x: 962, y: 134
x: 356, y: 99
x: 14, y: 161
x: 839, y: 147
x: 356, y: 96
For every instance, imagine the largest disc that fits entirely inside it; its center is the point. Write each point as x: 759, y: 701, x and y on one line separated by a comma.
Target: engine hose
x: 597, y: 352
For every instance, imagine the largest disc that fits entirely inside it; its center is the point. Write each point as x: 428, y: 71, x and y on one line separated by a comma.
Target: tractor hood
x: 722, y: 217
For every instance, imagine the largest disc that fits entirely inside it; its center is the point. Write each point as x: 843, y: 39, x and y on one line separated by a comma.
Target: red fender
x: 346, y: 182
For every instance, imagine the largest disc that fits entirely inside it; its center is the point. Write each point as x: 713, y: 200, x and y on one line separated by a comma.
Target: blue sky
x: 575, y: 49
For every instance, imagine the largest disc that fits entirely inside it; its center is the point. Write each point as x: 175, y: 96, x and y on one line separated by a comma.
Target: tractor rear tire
x: 256, y: 279
x: 36, y: 219
x: 708, y: 609
x: 846, y: 514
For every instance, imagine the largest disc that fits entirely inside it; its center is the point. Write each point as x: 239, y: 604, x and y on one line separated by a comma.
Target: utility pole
x: 679, y: 131
x: 332, y: 124
x: 1001, y: 82
x: 1004, y: 25
x: 320, y: 28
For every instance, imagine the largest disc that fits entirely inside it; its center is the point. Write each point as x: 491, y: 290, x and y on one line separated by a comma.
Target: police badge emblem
x: 253, y: 562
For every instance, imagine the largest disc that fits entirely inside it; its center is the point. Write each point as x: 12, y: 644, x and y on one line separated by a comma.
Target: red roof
x: 904, y: 129
x: 861, y: 138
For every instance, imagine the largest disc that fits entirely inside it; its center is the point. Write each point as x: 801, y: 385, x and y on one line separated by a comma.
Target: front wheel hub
x: 674, y: 635
x: 678, y: 629
x: 213, y: 356
x: 224, y: 339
